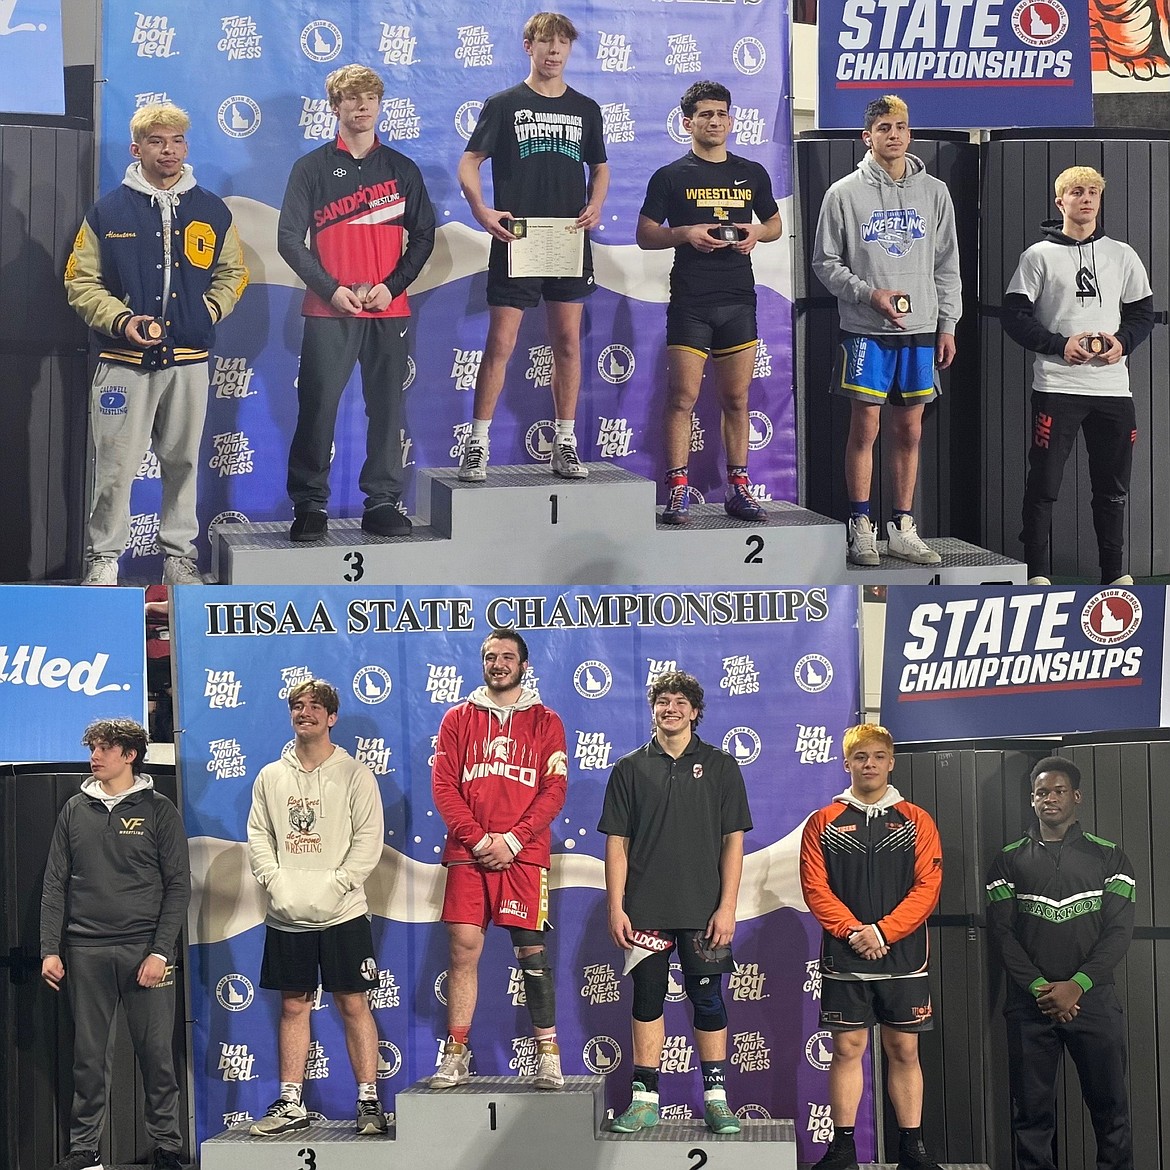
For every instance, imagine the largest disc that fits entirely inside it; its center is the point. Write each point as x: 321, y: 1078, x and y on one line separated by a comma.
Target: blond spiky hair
x: 351, y: 80
x: 862, y: 732
x: 1078, y: 176
x: 163, y: 114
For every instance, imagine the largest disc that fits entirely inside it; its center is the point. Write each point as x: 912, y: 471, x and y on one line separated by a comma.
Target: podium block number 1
x: 492, y: 1104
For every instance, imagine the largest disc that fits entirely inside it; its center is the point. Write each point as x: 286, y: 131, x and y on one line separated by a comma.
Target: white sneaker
x: 180, y: 571
x: 474, y: 460
x: 1125, y: 579
x: 906, y: 544
x: 455, y: 1067
x: 1039, y: 581
x: 548, y: 1066
x: 564, y: 459
x: 862, y: 547
x: 282, y: 1117
x: 102, y: 571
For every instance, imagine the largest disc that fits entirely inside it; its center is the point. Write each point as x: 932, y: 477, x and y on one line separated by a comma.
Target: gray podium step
x: 327, y: 1145
x: 504, y: 1123
x: 523, y: 526
x: 962, y: 564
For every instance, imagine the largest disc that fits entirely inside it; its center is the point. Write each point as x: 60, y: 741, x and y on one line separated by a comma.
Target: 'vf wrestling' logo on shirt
x: 895, y: 229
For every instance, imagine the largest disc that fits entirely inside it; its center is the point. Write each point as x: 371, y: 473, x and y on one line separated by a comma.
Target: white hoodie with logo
x: 314, y: 836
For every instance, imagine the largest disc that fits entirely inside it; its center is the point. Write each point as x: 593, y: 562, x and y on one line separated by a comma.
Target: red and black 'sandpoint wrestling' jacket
x: 369, y: 221
x: 872, y: 864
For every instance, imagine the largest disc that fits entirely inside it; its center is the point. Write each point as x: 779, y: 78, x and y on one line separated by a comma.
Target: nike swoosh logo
x: 403, y: 333
x: 740, y: 182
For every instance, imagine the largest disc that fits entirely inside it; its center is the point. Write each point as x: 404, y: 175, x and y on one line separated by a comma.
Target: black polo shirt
x: 675, y: 814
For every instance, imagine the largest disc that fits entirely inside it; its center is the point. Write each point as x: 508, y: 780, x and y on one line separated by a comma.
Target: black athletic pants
x: 98, y: 979
x: 1095, y: 1039
x: 1110, y: 428
x: 329, y: 351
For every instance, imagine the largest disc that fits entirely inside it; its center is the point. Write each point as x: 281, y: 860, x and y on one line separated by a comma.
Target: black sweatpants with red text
x: 1110, y: 428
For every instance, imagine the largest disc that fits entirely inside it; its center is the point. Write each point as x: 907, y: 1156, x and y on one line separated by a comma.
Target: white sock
x: 479, y: 428
x: 367, y: 1091
x: 564, y: 427
x: 291, y: 1091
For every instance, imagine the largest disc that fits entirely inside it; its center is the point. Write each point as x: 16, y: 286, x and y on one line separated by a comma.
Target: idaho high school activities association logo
x: 1111, y: 616
x: 1040, y: 23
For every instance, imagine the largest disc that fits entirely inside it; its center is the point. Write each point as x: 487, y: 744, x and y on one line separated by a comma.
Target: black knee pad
x: 651, y: 980
x: 706, y: 995
x: 539, y: 990
x: 522, y: 937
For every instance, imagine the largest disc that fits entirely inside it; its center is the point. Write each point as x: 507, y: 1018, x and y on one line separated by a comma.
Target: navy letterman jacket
x: 115, y: 272
x: 357, y: 212
x: 1061, y: 913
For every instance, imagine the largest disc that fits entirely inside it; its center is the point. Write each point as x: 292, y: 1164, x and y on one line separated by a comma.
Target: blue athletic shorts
x: 867, y: 371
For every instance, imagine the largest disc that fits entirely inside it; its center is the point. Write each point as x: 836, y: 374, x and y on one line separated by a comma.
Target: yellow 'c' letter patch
x: 199, y: 244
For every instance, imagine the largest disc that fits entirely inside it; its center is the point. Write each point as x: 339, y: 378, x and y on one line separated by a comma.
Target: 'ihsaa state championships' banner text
x: 780, y: 672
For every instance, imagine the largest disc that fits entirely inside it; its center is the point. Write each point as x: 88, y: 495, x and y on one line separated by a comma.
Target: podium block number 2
x: 698, y: 1158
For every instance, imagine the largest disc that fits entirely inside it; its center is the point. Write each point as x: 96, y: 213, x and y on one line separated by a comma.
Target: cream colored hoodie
x: 313, y: 839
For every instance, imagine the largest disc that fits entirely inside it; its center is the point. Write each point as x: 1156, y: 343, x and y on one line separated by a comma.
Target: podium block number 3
x: 308, y: 1158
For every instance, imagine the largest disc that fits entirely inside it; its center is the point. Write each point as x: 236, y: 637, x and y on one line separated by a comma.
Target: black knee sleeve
x: 706, y: 995
x: 539, y: 989
x: 651, y: 979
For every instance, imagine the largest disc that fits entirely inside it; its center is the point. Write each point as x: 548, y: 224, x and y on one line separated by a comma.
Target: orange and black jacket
x: 872, y: 864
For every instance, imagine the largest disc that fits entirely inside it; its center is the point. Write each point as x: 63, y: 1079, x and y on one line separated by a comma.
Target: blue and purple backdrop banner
x: 982, y: 64
x: 963, y: 663
x: 780, y: 671
x: 252, y: 77
x: 67, y: 657
x: 32, y: 72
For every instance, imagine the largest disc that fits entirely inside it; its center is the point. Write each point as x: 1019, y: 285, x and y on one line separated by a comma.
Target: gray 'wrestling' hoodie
x: 874, y: 232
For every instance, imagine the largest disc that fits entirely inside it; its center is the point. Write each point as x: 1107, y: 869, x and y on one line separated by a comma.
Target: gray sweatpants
x: 130, y: 411
x: 98, y: 979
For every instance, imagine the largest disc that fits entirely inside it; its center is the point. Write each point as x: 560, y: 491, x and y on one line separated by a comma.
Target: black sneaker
x: 842, y: 1155
x: 370, y: 1117
x: 80, y: 1160
x: 308, y: 526
x: 386, y: 520
x: 167, y: 1159
x: 913, y: 1156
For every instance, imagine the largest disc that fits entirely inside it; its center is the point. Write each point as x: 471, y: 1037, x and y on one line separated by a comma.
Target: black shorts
x: 718, y: 330
x: 695, y: 955
x: 900, y: 1004
x: 525, y: 292
x: 340, y: 958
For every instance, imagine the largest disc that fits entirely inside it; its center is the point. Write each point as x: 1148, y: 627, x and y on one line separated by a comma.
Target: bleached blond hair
x: 163, y: 114
x: 1078, y: 176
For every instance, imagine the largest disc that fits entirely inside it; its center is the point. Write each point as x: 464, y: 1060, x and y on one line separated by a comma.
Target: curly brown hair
x: 678, y: 682
x: 126, y: 734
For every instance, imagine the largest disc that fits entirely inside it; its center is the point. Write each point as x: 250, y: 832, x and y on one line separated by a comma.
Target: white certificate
x: 550, y: 247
